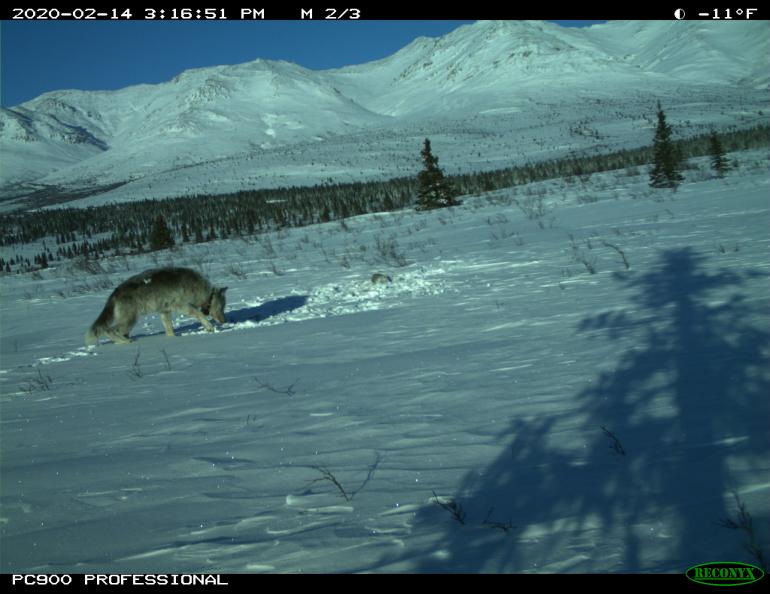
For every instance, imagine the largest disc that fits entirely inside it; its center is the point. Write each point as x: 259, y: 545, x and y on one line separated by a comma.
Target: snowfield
x: 497, y: 407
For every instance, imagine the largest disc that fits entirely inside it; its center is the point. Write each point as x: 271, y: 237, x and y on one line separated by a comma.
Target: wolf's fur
x: 163, y: 291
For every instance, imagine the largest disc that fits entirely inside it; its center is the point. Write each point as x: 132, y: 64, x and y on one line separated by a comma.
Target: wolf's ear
x: 222, y: 290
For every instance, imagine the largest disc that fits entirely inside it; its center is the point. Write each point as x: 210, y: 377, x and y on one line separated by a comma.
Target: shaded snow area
x: 570, y: 376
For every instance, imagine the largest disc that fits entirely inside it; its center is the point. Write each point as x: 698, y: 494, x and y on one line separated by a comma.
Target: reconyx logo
x: 724, y: 573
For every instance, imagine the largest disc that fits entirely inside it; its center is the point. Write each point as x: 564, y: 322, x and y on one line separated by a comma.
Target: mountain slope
x: 695, y: 50
x: 483, y: 61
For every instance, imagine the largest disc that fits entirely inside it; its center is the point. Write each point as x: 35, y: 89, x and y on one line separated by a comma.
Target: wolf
x: 163, y: 291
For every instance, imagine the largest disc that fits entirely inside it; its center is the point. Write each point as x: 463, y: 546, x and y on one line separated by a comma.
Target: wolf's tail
x: 102, y: 323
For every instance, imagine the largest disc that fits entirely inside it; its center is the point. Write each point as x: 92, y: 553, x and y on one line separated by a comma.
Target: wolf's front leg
x: 166, y: 319
x: 118, y: 338
x: 198, y: 315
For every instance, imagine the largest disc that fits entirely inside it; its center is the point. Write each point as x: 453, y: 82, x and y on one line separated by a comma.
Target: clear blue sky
x: 40, y: 56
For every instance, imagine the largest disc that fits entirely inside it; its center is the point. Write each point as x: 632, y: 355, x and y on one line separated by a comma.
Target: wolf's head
x: 216, y: 307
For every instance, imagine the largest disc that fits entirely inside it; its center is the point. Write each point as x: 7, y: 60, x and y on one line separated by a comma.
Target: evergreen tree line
x: 133, y: 227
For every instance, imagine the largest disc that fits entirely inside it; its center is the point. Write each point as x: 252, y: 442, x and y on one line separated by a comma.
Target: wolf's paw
x: 120, y: 339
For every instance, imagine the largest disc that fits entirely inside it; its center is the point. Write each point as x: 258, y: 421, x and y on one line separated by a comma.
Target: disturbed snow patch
x: 344, y: 297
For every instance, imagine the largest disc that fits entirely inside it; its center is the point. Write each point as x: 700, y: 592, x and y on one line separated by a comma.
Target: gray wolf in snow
x: 163, y: 291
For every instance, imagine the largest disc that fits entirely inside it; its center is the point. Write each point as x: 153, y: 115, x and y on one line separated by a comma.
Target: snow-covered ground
x: 321, y: 428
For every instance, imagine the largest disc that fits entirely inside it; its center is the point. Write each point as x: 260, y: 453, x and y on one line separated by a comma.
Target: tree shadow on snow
x: 689, y: 396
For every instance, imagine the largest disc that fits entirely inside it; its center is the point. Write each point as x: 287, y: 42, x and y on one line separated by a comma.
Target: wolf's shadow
x: 266, y: 310
x: 247, y: 314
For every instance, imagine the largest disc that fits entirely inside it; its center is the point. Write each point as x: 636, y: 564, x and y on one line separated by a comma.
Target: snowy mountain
x: 199, y: 115
x: 263, y: 124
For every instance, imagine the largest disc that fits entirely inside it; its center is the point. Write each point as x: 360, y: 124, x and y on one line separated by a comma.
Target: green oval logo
x: 724, y: 573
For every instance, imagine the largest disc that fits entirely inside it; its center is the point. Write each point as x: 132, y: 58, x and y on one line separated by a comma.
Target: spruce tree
x: 718, y: 161
x: 434, y: 191
x: 666, y: 169
x: 160, y: 237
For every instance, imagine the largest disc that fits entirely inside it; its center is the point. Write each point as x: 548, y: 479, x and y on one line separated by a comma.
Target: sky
x: 41, y: 56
